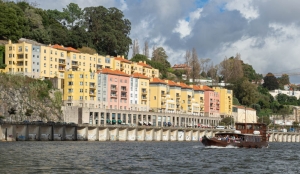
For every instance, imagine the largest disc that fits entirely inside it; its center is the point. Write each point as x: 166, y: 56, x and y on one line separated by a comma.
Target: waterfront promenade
x: 85, y: 132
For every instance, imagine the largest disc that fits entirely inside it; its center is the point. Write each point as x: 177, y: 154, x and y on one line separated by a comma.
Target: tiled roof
x: 172, y: 83
x: 144, y: 65
x: 122, y: 60
x: 183, y: 85
x: 114, y: 72
x: 197, y: 88
x: 206, y: 88
x: 138, y: 75
x: 157, y: 80
x: 56, y: 46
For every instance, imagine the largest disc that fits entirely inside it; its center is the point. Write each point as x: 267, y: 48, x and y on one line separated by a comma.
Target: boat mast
x: 245, y: 119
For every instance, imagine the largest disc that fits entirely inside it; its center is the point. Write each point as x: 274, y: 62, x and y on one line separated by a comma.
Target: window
x: 70, y: 83
x: 44, y: 50
x: 81, y: 90
x: 20, y: 48
x: 44, y: 64
x: 81, y: 83
x: 81, y: 76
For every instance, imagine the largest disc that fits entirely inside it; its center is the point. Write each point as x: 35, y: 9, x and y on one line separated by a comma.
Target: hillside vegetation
x: 25, y: 98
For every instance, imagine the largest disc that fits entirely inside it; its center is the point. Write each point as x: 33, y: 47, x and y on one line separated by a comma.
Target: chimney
x: 140, y: 61
x: 9, y: 41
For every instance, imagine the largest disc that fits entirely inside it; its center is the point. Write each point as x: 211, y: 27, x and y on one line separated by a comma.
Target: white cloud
x: 184, y: 27
x: 245, y: 7
x: 277, y: 53
x: 123, y: 5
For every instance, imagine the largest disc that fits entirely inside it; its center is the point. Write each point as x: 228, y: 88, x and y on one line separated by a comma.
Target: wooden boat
x: 246, y: 135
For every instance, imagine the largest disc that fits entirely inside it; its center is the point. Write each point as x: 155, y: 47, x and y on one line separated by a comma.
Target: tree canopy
x: 105, y: 30
x: 270, y: 82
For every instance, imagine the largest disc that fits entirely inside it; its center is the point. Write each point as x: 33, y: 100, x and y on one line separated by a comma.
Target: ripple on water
x: 144, y: 157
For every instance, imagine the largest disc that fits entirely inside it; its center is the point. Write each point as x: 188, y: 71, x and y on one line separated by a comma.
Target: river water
x: 144, y: 157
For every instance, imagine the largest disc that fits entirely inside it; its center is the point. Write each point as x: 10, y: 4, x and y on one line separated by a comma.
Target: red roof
x: 172, y: 83
x: 197, y: 88
x: 183, y: 85
x: 114, y: 72
x: 157, y: 80
x: 145, y: 65
x: 56, y: 46
x: 122, y: 60
x: 138, y: 75
x: 206, y: 88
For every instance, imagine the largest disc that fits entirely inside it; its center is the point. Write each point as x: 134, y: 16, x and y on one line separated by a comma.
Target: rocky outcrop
x: 24, y: 94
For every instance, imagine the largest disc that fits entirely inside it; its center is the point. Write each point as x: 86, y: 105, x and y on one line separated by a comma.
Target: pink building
x: 117, y: 89
x: 211, y: 102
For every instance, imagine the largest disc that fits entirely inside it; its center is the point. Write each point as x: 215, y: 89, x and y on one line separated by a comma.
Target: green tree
x: 203, y: 74
x: 108, y: 30
x: 10, y: 22
x: 73, y: 14
x: 264, y: 119
x: 270, y: 82
x: 245, y: 92
x: 284, y: 80
x: 227, y: 121
x: 28, y: 113
x: 12, y: 111
x: 2, y: 57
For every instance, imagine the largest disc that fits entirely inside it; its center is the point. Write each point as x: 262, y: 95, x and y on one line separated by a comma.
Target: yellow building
x: 125, y: 65
x: 199, y: 98
x: 158, y: 93
x: 18, y: 58
x: 225, y: 101
x: 175, y: 94
x: 79, y: 89
x: 186, y: 98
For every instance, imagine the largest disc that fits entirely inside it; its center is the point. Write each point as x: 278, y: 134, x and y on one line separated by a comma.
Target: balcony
x: 189, y: 109
x: 61, y: 69
x: 113, y: 89
x: 144, y: 91
x: 163, y: 105
x: 62, y: 63
x: 163, y: 94
x: 144, y: 98
x: 122, y: 67
x: 113, y: 95
x: 92, y: 86
x: 75, y: 64
x: 92, y: 94
x: 178, y: 95
x: 123, y: 90
x: 177, y: 101
x: 123, y: 96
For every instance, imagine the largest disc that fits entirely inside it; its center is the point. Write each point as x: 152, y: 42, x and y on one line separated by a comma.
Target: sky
x: 266, y: 33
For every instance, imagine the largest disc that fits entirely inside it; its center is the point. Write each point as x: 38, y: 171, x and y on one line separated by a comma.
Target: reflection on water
x: 144, y: 157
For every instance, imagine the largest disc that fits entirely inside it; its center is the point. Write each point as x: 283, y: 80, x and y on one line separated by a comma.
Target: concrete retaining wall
x: 46, y: 132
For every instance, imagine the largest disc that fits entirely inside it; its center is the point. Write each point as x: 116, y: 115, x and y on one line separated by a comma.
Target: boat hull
x: 239, y: 144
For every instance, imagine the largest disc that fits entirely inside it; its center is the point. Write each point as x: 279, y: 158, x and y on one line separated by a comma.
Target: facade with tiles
x: 114, y: 83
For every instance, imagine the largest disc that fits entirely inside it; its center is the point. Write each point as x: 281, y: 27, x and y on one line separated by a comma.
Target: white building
x: 240, y: 113
x: 287, y: 92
